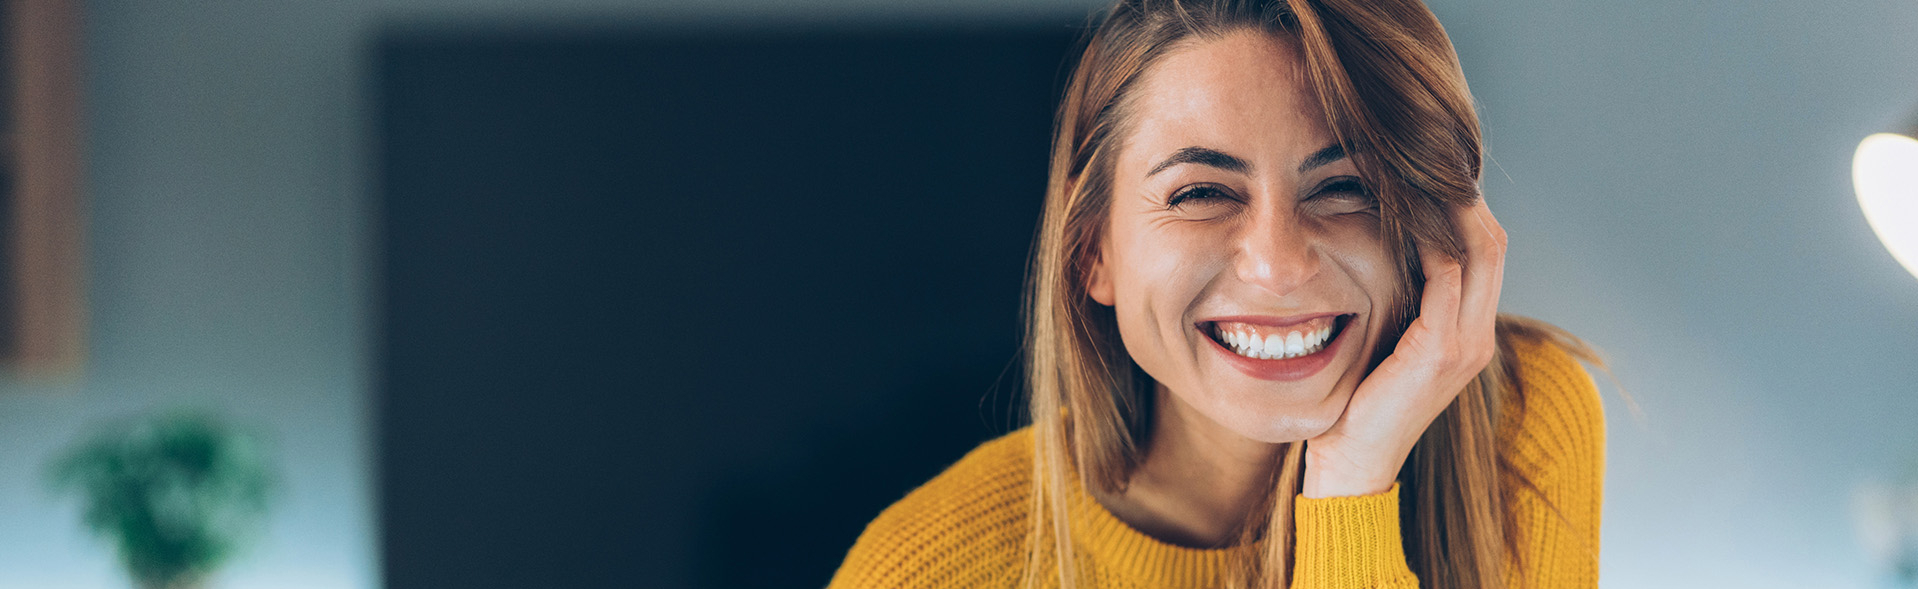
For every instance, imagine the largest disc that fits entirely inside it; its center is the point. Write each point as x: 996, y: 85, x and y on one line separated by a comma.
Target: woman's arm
x: 1556, y: 449
x: 1347, y: 513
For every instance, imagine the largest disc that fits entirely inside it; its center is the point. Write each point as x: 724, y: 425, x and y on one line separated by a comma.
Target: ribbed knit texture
x: 967, y: 527
x: 1350, y: 542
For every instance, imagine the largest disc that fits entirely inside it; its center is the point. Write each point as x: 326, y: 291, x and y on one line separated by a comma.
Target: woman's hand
x: 1444, y: 349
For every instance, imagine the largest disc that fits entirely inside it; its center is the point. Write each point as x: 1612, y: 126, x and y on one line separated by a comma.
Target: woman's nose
x: 1277, y: 255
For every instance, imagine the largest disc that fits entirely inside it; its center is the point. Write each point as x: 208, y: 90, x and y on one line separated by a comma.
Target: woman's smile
x: 1273, y: 338
x: 1277, y: 348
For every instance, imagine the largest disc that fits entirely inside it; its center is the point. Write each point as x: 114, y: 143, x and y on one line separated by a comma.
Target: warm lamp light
x: 1884, y: 171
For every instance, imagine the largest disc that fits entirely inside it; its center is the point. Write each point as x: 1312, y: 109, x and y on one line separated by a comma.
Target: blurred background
x: 584, y: 293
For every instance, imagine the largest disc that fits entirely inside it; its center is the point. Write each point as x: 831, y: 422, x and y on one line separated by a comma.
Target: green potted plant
x: 176, y: 495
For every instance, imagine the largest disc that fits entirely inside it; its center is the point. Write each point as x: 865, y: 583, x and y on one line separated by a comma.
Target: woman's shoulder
x: 1552, y: 434
x: 965, y: 527
x: 1557, y: 421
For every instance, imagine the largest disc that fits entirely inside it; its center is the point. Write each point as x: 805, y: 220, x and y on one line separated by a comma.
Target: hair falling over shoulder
x: 1390, y: 84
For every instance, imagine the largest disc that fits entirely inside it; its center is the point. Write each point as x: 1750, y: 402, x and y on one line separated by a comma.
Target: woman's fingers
x: 1434, y: 329
x: 1484, y: 273
x: 1485, y: 243
x: 1455, y: 333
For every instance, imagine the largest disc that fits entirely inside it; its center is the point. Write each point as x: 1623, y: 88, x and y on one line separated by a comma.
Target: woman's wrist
x: 1329, y: 475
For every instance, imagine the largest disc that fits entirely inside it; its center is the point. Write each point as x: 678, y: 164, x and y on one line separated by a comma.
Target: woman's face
x: 1242, y: 256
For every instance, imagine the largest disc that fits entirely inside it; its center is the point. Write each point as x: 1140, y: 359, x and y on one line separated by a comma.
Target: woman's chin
x: 1285, y: 429
x: 1277, y: 420
x: 1279, y: 412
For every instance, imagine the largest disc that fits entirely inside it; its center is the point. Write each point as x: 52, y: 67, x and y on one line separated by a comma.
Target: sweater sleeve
x: 1350, y: 543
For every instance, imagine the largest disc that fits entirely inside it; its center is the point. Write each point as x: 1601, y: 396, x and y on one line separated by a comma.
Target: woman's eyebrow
x: 1204, y: 157
x: 1322, y: 157
x: 1221, y: 160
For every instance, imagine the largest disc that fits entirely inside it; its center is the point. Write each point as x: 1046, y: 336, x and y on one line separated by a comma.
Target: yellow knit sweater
x: 967, y: 527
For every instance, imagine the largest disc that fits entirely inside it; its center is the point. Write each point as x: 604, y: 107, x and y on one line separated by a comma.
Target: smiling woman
x: 1263, y: 333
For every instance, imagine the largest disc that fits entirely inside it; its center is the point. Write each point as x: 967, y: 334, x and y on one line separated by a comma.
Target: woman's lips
x: 1264, y: 349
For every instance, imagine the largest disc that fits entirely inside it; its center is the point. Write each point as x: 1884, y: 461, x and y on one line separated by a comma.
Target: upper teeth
x: 1267, y: 344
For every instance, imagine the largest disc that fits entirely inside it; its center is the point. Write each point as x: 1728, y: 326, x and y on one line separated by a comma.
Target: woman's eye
x: 1195, y: 194
x: 1347, y: 196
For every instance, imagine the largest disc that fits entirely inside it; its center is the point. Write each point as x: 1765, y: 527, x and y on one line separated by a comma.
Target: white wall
x: 1674, y: 176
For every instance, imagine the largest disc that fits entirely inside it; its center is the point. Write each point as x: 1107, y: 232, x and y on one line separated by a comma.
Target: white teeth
x: 1274, y: 347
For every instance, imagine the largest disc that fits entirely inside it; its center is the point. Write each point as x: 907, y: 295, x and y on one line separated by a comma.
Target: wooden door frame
x: 41, y: 147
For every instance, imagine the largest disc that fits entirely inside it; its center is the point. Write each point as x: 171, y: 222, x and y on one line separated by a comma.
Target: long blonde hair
x: 1392, y: 91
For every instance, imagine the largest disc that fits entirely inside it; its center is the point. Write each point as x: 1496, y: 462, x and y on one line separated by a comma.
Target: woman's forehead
x: 1245, y: 93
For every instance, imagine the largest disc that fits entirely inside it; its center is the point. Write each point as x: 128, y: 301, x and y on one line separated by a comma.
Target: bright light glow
x: 1884, y: 171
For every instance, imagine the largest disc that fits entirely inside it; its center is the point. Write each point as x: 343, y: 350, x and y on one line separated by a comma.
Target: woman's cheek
x: 1357, y: 248
x: 1361, y: 256
x: 1165, y: 271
